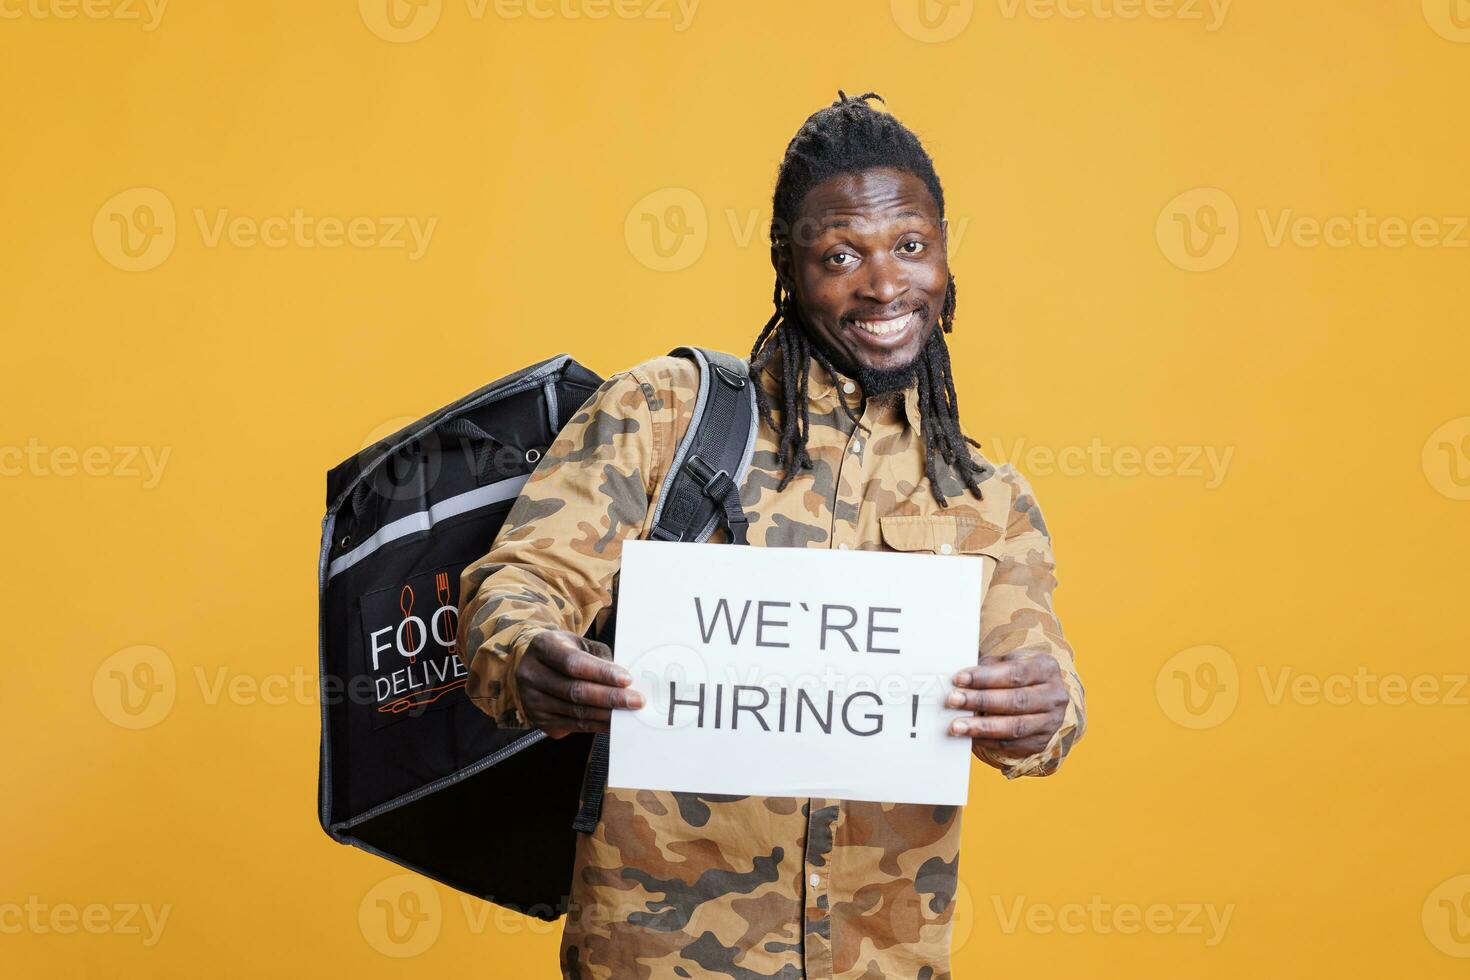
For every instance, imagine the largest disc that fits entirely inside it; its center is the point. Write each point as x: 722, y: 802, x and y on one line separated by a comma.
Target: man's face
x: 867, y: 263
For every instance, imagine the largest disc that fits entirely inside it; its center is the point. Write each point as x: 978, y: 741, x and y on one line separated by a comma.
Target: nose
x: 884, y: 281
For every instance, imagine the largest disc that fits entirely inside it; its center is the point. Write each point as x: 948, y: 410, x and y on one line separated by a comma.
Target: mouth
x: 887, y: 332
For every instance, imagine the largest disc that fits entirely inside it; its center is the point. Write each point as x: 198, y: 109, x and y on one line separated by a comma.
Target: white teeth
x: 884, y: 328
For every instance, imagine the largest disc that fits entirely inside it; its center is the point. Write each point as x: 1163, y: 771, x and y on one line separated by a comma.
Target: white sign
x: 794, y: 671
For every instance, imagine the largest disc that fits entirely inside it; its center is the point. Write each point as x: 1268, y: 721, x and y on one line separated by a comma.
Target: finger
x: 1021, y: 747
x: 1006, y: 728
x: 1020, y: 672
x: 568, y: 655
x: 541, y: 705
x: 1007, y: 700
x: 551, y: 694
x: 568, y: 691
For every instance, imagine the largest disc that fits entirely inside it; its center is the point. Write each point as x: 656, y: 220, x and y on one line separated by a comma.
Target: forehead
x: 875, y: 193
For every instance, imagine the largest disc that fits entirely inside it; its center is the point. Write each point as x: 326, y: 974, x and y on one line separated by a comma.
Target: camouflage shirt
x: 684, y: 885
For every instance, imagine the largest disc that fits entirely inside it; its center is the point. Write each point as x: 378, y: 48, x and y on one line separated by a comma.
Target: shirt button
x: 816, y: 880
x: 849, y: 387
x: 842, y: 547
x: 857, y: 447
x: 946, y: 548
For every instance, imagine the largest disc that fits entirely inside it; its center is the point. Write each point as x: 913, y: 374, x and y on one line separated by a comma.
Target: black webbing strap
x: 594, y: 784
x: 701, y: 492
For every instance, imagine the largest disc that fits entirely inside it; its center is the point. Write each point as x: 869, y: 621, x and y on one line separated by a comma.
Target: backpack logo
x: 410, y: 645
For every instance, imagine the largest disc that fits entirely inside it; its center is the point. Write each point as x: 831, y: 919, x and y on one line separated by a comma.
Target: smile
x: 887, y: 328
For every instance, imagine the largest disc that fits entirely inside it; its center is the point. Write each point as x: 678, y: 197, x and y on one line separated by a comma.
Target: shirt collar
x: 822, y: 393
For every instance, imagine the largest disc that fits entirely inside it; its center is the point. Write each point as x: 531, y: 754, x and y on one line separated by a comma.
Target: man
x: 859, y: 446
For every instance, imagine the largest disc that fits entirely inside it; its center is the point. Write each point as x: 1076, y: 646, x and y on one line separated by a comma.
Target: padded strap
x: 703, y: 485
x: 701, y: 491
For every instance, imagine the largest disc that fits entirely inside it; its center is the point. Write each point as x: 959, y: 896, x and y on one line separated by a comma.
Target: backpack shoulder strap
x: 702, y: 488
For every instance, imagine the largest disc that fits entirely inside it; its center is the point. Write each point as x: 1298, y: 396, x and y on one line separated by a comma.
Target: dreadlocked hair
x: 850, y: 136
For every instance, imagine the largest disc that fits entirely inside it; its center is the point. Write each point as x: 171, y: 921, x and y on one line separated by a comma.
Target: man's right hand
x: 568, y: 683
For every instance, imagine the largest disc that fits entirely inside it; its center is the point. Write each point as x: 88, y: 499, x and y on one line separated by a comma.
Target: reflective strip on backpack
x: 491, y: 493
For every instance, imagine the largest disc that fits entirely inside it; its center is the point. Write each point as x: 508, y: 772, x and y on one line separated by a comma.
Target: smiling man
x: 860, y: 446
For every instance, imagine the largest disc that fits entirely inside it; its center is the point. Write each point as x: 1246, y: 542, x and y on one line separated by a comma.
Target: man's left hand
x: 1019, y: 700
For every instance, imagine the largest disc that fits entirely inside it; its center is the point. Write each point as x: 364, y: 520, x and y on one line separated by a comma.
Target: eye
x: 841, y: 260
x: 911, y: 247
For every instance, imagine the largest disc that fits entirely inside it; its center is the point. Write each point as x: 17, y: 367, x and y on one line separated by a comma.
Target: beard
x: 875, y: 381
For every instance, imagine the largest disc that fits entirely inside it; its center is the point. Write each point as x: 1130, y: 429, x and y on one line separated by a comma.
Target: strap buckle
x: 717, y: 483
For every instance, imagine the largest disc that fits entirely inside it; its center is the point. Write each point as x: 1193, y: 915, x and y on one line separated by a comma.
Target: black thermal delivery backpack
x: 411, y: 769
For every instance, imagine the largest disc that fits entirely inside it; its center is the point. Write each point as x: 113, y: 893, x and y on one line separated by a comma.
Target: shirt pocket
x: 945, y: 534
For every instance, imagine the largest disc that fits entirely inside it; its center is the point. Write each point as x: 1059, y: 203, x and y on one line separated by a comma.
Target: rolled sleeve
x: 1017, y: 616
x: 553, y: 564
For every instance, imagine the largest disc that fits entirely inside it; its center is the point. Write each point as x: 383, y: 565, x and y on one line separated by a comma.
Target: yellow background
x: 1333, y: 544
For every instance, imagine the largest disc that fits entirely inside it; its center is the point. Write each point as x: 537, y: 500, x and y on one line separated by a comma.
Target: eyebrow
x: 845, y: 223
